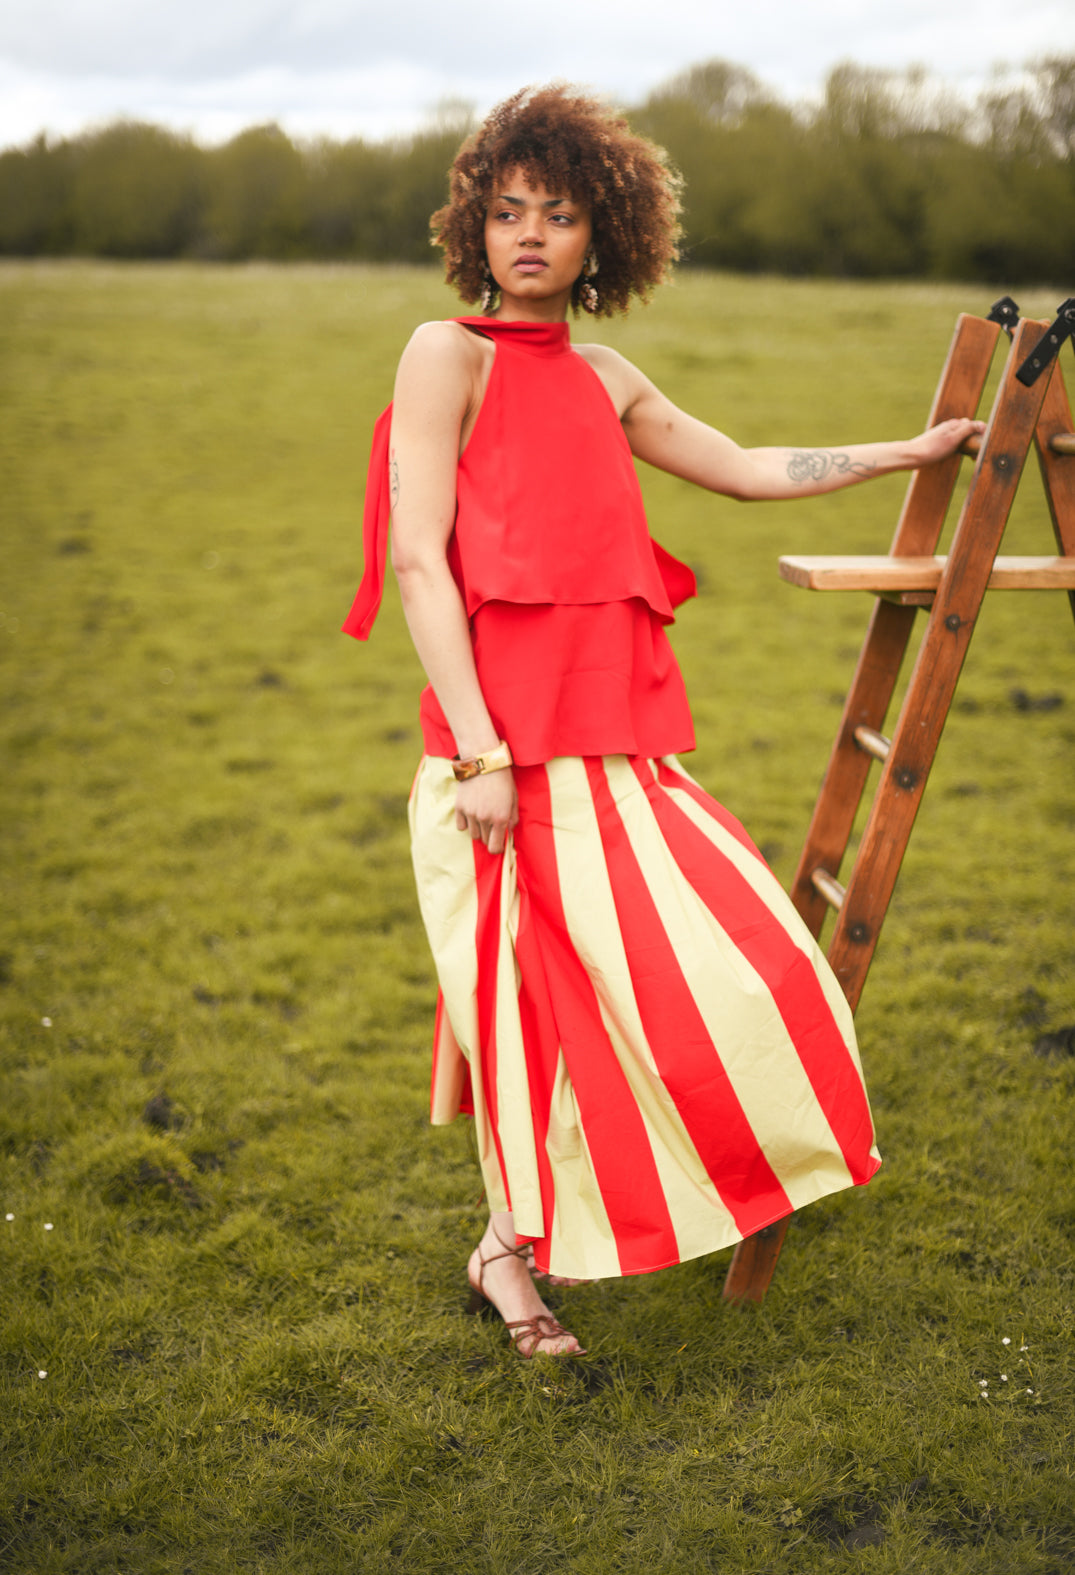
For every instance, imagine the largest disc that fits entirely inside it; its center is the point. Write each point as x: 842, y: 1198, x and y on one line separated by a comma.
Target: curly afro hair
x: 577, y: 145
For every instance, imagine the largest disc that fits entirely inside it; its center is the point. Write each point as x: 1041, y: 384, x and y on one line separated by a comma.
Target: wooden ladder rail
x: 909, y: 757
x: 918, y: 531
x: 1019, y: 416
x: 1054, y: 440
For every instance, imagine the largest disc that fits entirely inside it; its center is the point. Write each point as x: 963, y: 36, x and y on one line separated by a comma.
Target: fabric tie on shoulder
x: 360, y: 620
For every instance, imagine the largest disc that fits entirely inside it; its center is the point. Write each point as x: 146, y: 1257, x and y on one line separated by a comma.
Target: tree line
x: 889, y: 175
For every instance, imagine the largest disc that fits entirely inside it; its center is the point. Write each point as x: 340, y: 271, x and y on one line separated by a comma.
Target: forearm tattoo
x: 818, y: 464
x: 393, y: 477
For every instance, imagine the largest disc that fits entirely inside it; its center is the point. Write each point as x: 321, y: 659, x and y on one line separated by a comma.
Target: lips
x: 530, y: 264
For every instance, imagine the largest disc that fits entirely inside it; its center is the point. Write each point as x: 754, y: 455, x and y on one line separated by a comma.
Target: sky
x: 378, y: 68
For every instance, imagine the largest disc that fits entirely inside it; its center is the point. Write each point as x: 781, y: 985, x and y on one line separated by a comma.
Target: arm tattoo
x: 820, y: 463
x: 393, y: 477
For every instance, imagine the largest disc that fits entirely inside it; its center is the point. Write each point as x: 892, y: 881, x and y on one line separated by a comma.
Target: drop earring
x: 588, y: 297
x: 489, y: 290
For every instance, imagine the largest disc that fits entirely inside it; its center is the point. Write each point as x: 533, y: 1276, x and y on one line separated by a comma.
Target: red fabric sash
x: 360, y: 619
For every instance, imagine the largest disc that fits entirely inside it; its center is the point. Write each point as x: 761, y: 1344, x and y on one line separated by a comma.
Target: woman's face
x: 536, y: 241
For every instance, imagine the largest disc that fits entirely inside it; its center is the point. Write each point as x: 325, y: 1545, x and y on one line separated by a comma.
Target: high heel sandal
x: 526, y: 1333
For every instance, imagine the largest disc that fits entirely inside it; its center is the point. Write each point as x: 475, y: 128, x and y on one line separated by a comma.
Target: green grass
x: 249, y: 1305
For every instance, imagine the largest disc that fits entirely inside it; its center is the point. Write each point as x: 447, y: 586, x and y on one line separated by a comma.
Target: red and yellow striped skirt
x: 656, y: 1054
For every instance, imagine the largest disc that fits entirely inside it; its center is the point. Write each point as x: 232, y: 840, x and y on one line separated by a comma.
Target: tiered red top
x: 566, y: 592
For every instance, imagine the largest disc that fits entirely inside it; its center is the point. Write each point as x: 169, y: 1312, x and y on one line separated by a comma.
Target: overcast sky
x: 378, y: 67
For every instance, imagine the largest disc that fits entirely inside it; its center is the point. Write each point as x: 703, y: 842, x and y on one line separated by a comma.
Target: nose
x: 531, y: 231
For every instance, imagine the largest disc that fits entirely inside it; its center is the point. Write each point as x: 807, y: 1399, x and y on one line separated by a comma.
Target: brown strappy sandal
x: 526, y: 1333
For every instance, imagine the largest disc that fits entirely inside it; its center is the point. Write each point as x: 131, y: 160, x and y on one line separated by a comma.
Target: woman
x: 657, y: 1057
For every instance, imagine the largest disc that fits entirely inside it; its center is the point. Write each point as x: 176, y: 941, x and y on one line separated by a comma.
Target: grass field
x: 232, y: 1272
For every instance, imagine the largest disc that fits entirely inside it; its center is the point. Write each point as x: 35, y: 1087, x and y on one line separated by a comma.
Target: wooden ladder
x: 1031, y: 405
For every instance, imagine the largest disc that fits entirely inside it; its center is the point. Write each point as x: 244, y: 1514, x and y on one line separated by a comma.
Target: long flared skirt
x: 655, y: 1052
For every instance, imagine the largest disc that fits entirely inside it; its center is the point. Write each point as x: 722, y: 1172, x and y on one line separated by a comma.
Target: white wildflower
x: 1006, y: 1340
x: 49, y: 1226
x: 42, y: 1372
x: 46, y: 1022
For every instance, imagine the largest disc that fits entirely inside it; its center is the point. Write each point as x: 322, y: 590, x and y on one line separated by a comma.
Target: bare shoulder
x: 441, y: 349
x: 440, y: 381
x: 623, y: 381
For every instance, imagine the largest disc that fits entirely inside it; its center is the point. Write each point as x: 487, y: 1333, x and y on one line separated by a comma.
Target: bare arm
x: 663, y: 435
x: 435, y: 388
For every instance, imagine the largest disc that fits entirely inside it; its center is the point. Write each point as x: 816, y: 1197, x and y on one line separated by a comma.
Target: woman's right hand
x: 487, y: 807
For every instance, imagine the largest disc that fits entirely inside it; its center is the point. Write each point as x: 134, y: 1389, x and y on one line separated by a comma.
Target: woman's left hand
x: 944, y: 439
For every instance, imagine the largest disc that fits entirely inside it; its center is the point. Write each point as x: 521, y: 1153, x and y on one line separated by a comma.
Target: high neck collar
x: 538, y: 338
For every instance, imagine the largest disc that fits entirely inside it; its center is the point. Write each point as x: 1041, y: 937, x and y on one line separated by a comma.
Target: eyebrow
x: 517, y: 202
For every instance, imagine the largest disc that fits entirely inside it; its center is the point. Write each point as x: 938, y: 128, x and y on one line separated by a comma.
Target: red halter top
x: 566, y: 591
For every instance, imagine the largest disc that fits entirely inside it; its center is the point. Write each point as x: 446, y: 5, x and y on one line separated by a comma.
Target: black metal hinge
x: 1048, y: 346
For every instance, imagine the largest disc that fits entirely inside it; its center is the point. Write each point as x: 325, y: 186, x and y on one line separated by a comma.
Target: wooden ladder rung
x: 1060, y: 443
x: 886, y: 576
x: 873, y: 742
x: 829, y: 887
